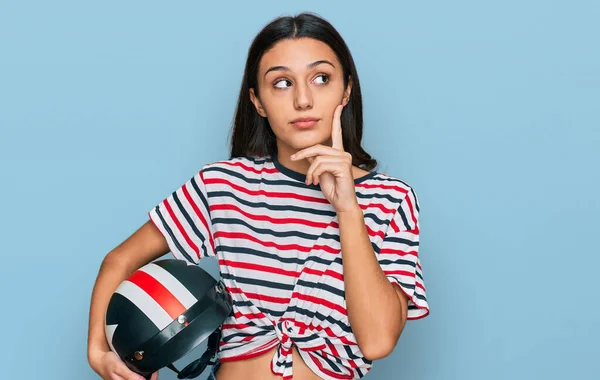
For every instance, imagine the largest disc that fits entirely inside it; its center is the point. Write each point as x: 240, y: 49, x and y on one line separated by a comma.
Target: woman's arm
x: 143, y: 246
x: 377, y: 309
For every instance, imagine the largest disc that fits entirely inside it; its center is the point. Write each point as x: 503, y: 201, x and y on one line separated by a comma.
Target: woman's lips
x: 305, y: 123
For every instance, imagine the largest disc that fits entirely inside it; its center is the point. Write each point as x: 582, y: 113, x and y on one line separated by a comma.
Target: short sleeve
x: 399, y: 255
x: 184, y: 220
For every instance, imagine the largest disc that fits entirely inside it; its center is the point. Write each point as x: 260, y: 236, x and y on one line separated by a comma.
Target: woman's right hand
x: 143, y: 246
x: 110, y: 367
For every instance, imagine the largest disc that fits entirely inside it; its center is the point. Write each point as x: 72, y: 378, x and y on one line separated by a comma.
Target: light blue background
x: 489, y: 110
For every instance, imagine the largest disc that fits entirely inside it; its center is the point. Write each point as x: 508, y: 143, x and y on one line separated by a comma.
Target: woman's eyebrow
x: 308, y: 67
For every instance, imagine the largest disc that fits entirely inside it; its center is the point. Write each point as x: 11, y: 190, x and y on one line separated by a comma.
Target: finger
x: 154, y: 376
x: 336, y: 129
x: 326, y: 167
x: 134, y: 376
x: 312, y: 175
x: 315, y: 150
x: 124, y: 372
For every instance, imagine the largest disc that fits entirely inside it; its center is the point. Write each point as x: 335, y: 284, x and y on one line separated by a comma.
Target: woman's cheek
x: 278, y: 123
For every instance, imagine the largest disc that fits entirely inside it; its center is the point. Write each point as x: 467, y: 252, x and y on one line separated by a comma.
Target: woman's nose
x: 303, y: 97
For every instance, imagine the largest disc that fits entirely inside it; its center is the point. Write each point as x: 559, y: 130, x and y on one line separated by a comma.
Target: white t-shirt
x: 278, y: 246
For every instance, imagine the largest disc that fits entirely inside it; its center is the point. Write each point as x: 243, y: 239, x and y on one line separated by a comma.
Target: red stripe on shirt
x: 181, y: 229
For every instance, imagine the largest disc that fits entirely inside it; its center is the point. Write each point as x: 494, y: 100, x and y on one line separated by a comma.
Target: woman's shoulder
x: 243, y: 169
x: 389, y: 183
x: 243, y: 162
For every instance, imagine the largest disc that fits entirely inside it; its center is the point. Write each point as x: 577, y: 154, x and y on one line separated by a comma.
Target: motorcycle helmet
x: 162, y: 311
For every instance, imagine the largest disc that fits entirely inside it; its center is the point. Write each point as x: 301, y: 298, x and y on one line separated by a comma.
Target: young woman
x: 318, y: 250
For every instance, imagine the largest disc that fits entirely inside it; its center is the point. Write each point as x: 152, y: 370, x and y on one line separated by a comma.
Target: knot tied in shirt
x: 284, y: 329
x: 289, y: 333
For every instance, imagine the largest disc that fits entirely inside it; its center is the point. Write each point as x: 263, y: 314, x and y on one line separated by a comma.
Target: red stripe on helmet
x: 158, y: 292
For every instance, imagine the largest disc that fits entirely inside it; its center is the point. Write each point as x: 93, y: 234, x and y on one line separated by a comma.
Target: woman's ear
x: 257, y: 104
x: 346, y: 97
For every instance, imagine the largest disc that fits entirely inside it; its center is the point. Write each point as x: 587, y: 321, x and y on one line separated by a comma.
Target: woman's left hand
x: 331, y: 166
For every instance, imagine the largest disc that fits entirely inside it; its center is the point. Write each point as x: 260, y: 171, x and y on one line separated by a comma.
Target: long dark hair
x: 252, y: 134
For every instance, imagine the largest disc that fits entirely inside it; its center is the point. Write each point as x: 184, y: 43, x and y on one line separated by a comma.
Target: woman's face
x: 300, y: 78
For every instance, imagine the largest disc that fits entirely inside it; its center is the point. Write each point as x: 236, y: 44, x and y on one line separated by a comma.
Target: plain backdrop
x: 490, y: 110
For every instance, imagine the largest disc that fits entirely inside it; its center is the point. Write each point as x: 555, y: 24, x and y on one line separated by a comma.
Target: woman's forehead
x: 297, y: 54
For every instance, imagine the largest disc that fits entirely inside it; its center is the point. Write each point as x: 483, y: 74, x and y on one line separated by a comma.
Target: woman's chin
x: 308, y: 141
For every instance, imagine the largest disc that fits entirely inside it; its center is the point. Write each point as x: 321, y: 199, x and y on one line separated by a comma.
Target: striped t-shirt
x: 278, y: 246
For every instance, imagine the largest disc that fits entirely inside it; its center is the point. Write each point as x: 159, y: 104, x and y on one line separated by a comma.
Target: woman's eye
x: 325, y: 78
x: 285, y: 83
x: 277, y: 84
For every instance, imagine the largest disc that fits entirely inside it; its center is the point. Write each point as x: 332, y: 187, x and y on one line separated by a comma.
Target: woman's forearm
x: 112, y: 272
x: 375, y: 312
